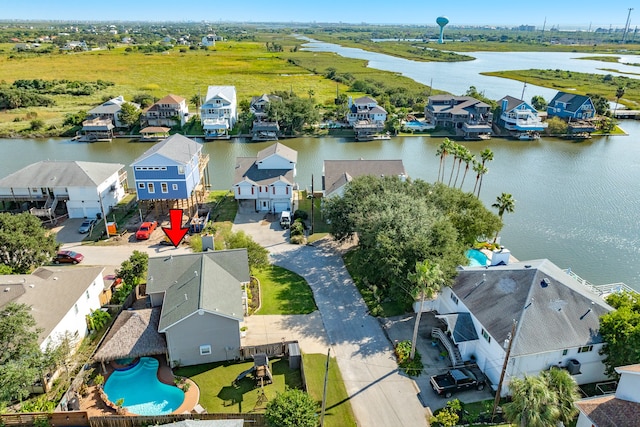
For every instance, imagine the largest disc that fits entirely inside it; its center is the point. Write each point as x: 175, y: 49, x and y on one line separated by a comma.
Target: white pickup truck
x: 285, y: 219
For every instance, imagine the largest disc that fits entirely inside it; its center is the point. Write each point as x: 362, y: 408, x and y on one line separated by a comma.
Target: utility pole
x: 312, y: 203
x: 324, y: 391
x: 504, y: 368
x: 626, y: 26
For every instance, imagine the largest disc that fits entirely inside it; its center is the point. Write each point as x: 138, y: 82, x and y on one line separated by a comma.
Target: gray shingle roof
x: 279, y: 149
x: 572, y: 100
x: 49, y: 173
x: 338, y: 172
x: 54, y: 292
x: 247, y: 170
x: 208, y: 281
x: 511, y: 102
x: 176, y: 147
x: 553, y: 310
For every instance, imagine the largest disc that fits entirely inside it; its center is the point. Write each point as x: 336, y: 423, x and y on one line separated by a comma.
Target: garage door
x: 280, y: 206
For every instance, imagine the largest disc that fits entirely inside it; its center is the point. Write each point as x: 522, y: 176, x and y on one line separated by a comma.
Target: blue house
x: 173, y: 169
x: 570, y: 106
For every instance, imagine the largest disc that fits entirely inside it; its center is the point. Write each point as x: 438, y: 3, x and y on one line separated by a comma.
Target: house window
x: 164, y: 187
x: 181, y: 170
x: 141, y: 185
x: 88, y: 295
x: 564, y: 352
x: 585, y: 349
x: 174, y: 187
x: 486, y: 335
x: 75, y: 308
x: 274, y: 190
x: 454, y: 298
x: 238, y: 191
x: 252, y: 190
x: 151, y: 187
x: 205, y: 350
x: 287, y: 190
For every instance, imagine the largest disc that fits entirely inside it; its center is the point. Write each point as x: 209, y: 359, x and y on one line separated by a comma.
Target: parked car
x: 285, y: 219
x: 458, y: 379
x: 145, y: 230
x: 86, y: 225
x: 69, y: 257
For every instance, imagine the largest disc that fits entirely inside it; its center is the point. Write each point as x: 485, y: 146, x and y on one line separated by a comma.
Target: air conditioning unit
x: 573, y: 366
x: 113, y: 188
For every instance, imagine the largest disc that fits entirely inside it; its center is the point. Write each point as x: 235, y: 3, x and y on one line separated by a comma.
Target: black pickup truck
x: 458, y: 379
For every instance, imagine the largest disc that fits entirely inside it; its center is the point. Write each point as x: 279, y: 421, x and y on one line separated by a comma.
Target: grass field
x: 579, y: 83
x: 284, y: 292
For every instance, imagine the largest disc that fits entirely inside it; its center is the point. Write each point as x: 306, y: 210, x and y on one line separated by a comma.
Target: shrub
x: 36, y: 124
x: 412, y: 367
x: 297, y: 240
x: 297, y: 229
x: 300, y: 214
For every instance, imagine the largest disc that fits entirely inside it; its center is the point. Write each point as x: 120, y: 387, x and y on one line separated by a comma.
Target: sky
x: 561, y: 14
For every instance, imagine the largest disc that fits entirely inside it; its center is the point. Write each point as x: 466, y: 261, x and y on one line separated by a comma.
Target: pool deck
x: 94, y: 406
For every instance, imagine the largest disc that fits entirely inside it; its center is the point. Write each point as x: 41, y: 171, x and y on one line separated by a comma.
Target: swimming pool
x: 417, y: 125
x: 476, y: 258
x: 141, y: 390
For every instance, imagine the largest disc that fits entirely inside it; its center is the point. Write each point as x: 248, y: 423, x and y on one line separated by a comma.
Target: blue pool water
x: 414, y: 124
x: 141, y: 390
x: 476, y: 258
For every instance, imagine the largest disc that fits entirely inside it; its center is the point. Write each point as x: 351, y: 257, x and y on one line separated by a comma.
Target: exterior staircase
x: 452, y: 349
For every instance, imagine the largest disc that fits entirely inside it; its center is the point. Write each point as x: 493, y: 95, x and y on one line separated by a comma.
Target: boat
x: 528, y: 136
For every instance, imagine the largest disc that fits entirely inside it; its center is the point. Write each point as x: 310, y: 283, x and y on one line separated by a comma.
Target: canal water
x: 577, y: 203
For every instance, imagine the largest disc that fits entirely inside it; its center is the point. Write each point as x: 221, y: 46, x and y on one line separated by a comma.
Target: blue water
x: 476, y: 258
x: 141, y: 390
x: 414, y: 124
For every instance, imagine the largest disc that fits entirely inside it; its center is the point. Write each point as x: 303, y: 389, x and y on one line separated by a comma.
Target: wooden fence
x: 250, y: 419
x: 55, y: 419
x: 277, y: 349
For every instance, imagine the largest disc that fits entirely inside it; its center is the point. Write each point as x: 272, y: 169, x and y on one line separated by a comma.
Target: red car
x: 145, y: 230
x: 68, y: 257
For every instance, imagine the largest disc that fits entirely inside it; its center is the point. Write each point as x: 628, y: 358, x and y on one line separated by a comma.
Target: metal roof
x: 50, y: 173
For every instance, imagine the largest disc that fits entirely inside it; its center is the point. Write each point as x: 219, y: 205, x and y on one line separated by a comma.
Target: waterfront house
x: 201, y: 296
x: 262, y: 129
x: 209, y: 40
x: 174, y: 169
x: 365, y: 108
x: 219, y: 112
x: 169, y: 111
x: 336, y: 174
x: 60, y: 298
x: 519, y: 117
x: 556, y: 320
x: 570, y: 106
x: 466, y: 116
x: 81, y: 189
x: 613, y: 410
x: 265, y: 183
x: 109, y: 110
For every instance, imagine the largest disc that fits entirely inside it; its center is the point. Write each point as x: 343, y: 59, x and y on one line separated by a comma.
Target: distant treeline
x: 33, y: 92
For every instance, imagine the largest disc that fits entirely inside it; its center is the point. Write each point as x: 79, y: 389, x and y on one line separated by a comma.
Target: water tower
x: 442, y: 21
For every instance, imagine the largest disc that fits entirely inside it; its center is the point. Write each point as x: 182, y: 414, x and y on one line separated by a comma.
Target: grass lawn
x: 338, y: 411
x: 377, y: 306
x: 218, y: 393
x: 284, y: 292
x: 224, y: 206
x: 319, y: 224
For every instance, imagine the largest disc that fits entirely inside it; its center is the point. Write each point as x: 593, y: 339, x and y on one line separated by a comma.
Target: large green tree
x: 24, y: 243
x: 400, y: 223
x: 129, y: 114
x: 539, y: 103
x: 292, y: 408
x: 258, y: 256
x: 20, y: 356
x: 620, y: 329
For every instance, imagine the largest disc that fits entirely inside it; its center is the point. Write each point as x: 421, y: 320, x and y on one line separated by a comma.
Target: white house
x: 60, y: 299
x: 219, y: 112
x: 621, y: 409
x: 110, y: 110
x: 338, y: 173
x: 266, y: 182
x: 209, y: 40
x: 366, y: 109
x: 86, y: 188
x: 556, y: 318
x: 520, y: 117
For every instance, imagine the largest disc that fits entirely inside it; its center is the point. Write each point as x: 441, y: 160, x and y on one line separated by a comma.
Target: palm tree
x: 455, y: 149
x: 533, y: 403
x: 480, y: 171
x: 440, y: 152
x: 444, y: 150
x: 428, y: 279
x: 486, y: 155
x: 469, y: 159
x: 195, y: 100
x: 504, y: 203
x: 619, y: 94
x: 566, y: 388
x: 463, y: 152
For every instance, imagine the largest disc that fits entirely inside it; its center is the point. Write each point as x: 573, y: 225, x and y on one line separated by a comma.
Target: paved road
x: 380, y: 396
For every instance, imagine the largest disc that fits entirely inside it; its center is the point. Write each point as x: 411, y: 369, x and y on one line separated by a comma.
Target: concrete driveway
x: 379, y: 394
